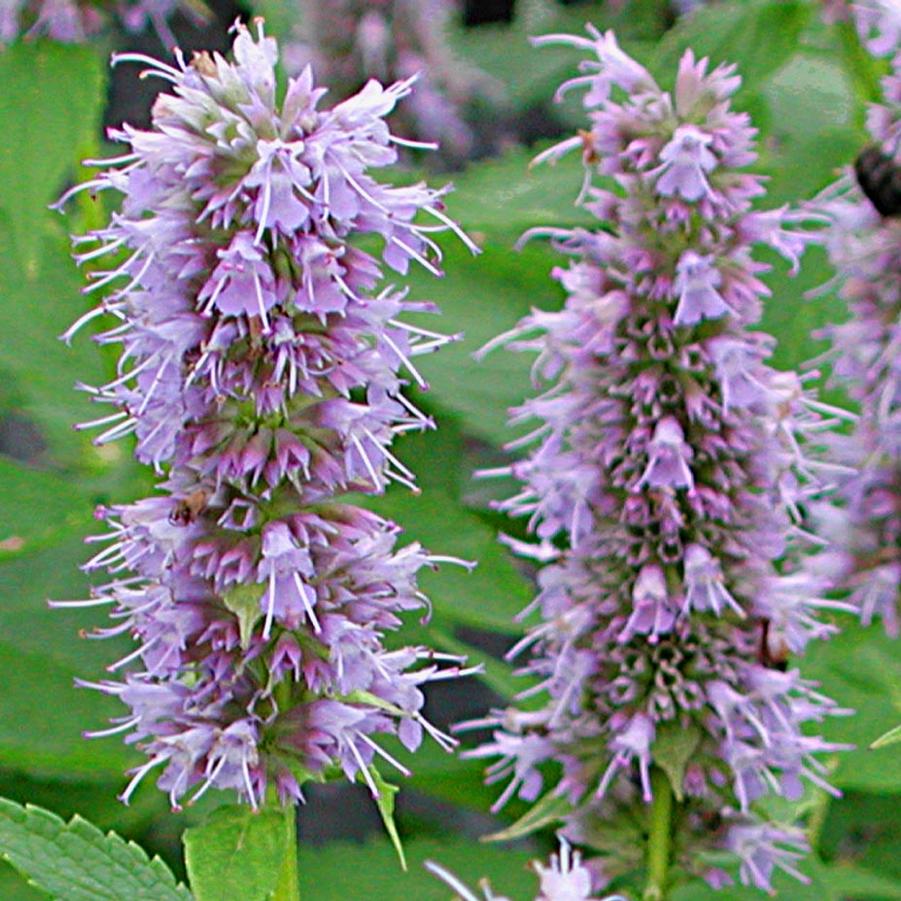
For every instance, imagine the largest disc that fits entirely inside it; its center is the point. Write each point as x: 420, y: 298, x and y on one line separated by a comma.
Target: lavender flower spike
x: 262, y: 372
x: 669, y: 467
x: 865, y: 247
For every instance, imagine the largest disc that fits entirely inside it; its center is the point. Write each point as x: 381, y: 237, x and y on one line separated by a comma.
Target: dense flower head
x: 350, y: 41
x: 74, y: 21
x: 865, y: 248
x: 667, y: 482
x: 262, y: 371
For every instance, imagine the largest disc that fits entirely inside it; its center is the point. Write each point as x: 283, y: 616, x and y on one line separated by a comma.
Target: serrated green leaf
x: 673, y: 746
x: 892, y: 737
x: 385, y: 803
x: 237, y: 853
x: 77, y: 862
x: 550, y: 809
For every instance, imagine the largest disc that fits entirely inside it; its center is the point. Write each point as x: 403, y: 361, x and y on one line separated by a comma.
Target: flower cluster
x: 261, y: 375
x: 667, y: 486
x: 349, y: 41
x: 565, y: 878
x: 863, y: 240
x: 74, y: 21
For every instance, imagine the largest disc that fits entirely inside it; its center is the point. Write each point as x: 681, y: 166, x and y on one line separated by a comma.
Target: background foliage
x: 807, y: 92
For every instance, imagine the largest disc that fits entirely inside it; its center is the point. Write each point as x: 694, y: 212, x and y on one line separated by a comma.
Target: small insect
x: 879, y: 177
x: 772, y: 650
x: 189, y: 508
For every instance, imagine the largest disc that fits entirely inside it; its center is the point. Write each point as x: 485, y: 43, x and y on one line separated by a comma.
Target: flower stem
x: 288, y: 886
x: 659, y: 837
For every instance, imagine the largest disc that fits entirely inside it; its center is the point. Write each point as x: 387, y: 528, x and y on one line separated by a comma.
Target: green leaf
x: 340, y: 871
x: 549, y: 809
x: 758, y: 35
x: 497, y: 674
x: 236, y: 854
x: 483, y: 297
x: 505, y: 196
x: 849, y: 881
x: 504, y: 52
x: 385, y: 802
x: 861, y: 832
x: 43, y: 713
x: 672, y: 750
x: 892, y: 737
x: 861, y: 669
x: 77, y: 862
x: 489, y: 596
x: 14, y: 888
x: 38, y: 508
x: 50, y: 109
x: 244, y: 602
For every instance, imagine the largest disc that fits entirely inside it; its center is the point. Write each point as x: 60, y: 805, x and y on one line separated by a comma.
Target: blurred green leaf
x: 861, y: 669
x: 77, y: 862
x: 38, y: 507
x: 504, y: 51
x: 50, y: 109
x: 483, y: 297
x: 505, y: 196
x: 489, y: 596
x: 37, y: 303
x: 341, y: 871
x: 759, y: 36
x: 236, y: 854
x: 861, y: 833
x: 43, y: 714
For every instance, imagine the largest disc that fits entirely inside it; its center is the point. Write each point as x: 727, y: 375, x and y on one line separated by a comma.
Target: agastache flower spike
x: 263, y: 374
x: 670, y: 470
x: 865, y: 248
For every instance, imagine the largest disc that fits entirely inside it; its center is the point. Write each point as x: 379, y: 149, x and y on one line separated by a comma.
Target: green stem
x: 288, y: 886
x: 659, y: 837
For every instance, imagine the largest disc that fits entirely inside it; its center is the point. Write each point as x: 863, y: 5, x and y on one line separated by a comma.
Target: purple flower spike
x: 865, y: 248
x: 263, y: 375
x: 665, y: 486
